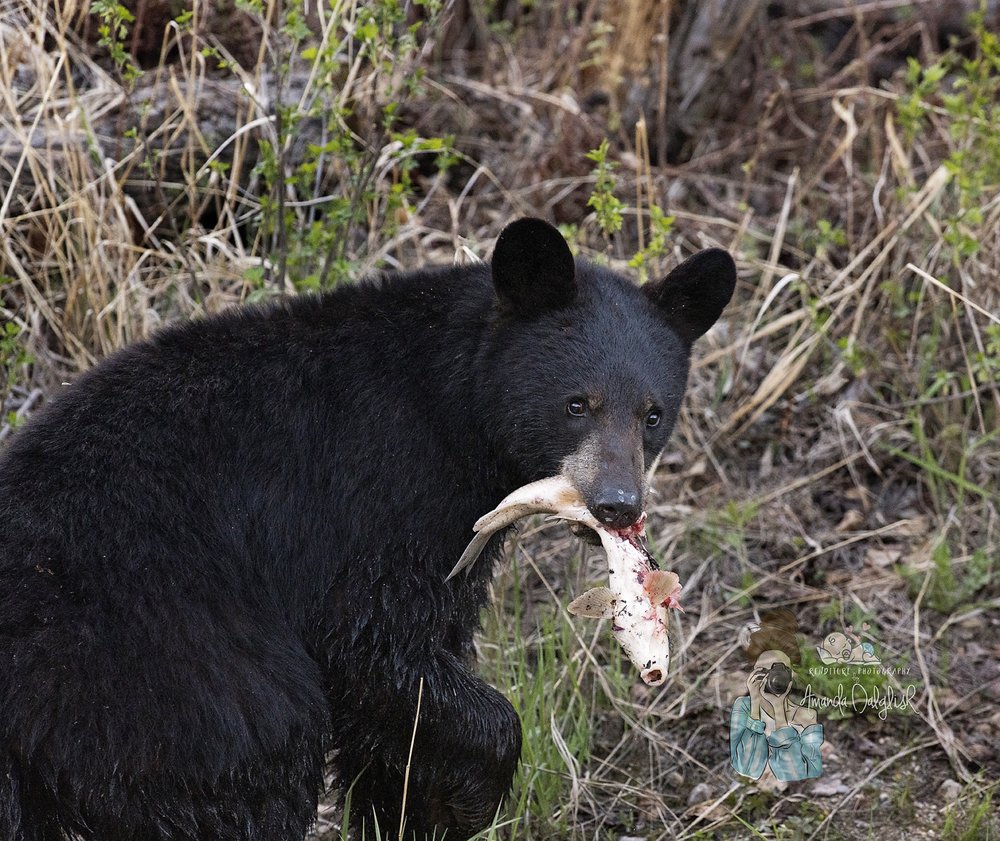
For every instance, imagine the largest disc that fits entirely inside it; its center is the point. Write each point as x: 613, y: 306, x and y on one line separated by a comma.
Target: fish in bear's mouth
x: 639, y: 593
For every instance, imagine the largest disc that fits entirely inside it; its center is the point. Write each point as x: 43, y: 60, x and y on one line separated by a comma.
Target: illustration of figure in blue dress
x: 766, y: 728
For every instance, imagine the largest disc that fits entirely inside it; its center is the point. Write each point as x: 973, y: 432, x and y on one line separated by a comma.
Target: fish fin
x: 471, y: 554
x: 673, y: 601
x: 596, y: 604
x: 660, y: 585
x: 500, y: 518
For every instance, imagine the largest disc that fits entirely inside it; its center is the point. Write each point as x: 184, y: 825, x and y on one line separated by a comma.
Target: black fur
x: 223, y: 552
x: 693, y: 294
x: 533, y: 280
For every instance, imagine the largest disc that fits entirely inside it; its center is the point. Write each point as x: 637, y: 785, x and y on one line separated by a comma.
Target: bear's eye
x: 653, y: 418
x: 576, y: 408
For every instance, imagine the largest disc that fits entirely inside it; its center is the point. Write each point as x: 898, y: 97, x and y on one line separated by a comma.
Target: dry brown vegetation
x: 839, y: 450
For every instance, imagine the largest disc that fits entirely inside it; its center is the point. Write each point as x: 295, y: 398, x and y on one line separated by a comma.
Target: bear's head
x: 584, y: 371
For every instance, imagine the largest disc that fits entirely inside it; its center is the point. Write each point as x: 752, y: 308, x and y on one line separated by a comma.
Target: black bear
x: 223, y: 551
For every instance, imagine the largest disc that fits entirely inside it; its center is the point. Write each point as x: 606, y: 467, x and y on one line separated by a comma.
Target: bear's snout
x: 607, y: 469
x: 616, y: 507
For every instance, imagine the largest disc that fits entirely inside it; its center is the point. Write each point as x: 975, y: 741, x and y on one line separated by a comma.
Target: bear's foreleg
x: 465, y: 752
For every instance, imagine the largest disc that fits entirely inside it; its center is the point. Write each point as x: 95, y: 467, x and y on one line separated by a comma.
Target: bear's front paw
x: 466, y: 771
x: 463, y: 808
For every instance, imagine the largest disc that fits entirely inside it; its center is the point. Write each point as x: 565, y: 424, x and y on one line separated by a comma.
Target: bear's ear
x: 533, y: 268
x: 693, y: 295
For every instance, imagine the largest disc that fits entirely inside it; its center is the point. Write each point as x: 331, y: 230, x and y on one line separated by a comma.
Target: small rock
x: 699, y: 794
x: 992, y: 690
x: 980, y: 752
x: 974, y: 651
x: 975, y: 622
x: 828, y: 787
x: 882, y: 558
x: 851, y: 521
x: 949, y: 790
x: 769, y: 784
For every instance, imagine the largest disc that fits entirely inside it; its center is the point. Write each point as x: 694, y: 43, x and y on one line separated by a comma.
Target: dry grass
x: 838, y: 453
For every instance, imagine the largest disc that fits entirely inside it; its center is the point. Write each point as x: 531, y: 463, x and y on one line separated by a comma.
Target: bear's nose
x: 617, y: 508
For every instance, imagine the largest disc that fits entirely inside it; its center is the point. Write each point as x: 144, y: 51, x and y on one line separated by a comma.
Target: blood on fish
x: 637, y: 601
